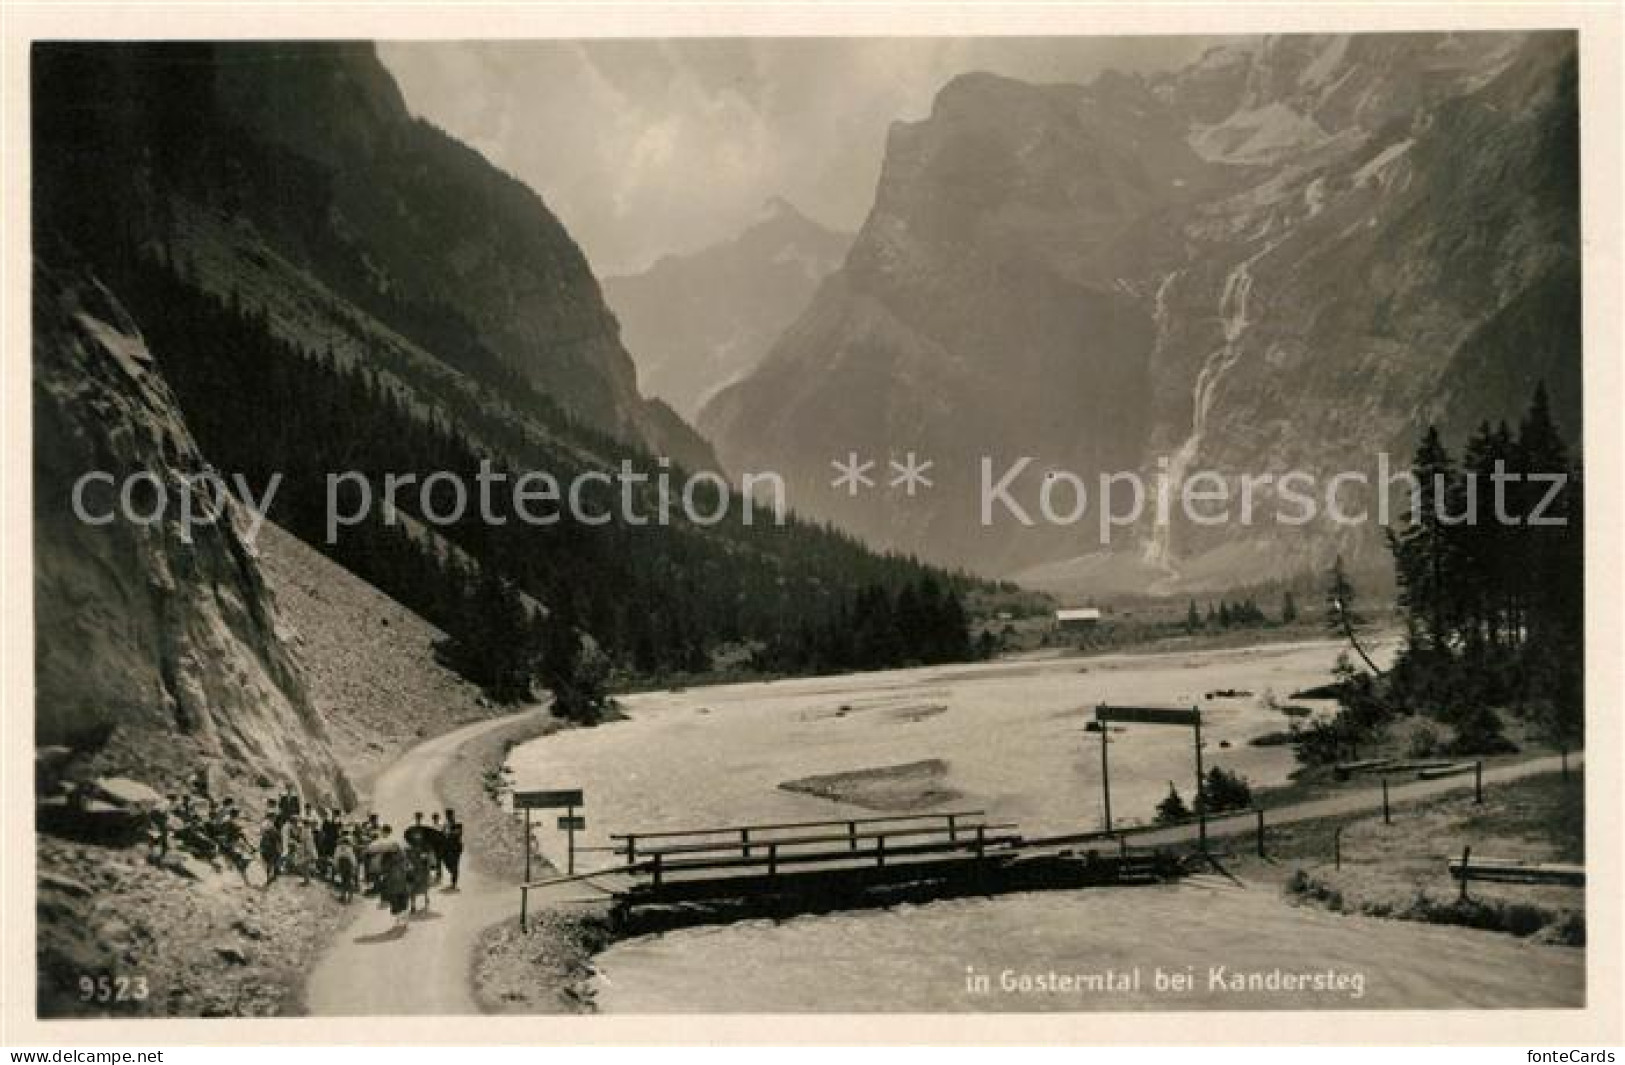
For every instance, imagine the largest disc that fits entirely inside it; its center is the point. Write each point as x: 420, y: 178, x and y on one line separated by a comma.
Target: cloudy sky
x: 644, y: 147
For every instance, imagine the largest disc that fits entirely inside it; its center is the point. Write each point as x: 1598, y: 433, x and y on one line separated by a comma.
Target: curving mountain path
x: 373, y: 971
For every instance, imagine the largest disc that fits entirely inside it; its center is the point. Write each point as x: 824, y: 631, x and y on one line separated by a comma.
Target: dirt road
x: 374, y: 971
x: 1363, y: 798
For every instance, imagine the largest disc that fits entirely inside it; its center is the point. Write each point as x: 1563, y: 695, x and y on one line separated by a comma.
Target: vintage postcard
x: 1036, y: 517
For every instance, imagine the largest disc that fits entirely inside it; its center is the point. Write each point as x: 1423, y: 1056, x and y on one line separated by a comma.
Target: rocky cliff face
x: 1293, y: 254
x: 305, y: 151
x: 155, y: 656
x: 698, y: 322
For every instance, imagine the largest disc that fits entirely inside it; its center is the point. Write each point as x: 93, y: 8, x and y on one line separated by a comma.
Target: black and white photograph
x: 735, y: 524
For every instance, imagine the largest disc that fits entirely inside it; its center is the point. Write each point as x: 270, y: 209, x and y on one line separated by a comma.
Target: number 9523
x: 107, y: 989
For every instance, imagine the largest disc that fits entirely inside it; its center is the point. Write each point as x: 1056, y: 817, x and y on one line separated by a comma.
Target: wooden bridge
x: 793, y: 856
x: 844, y: 862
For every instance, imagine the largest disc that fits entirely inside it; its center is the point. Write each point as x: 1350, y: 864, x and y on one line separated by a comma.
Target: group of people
x: 355, y: 854
x: 361, y: 855
x: 199, y: 826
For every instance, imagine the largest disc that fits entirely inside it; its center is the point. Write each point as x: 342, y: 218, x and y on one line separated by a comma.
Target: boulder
x: 231, y: 954
x: 184, y: 865
x: 247, y: 929
x: 63, y: 883
x: 50, y: 763
x: 211, y: 779
x: 91, y: 821
x: 127, y: 793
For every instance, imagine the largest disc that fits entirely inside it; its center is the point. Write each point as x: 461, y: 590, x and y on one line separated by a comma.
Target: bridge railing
x: 748, y: 840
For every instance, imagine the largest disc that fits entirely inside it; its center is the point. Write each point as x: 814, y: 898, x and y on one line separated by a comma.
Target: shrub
x: 1479, y: 732
x: 1224, y: 790
x: 1424, y: 742
x: 1172, y: 809
x: 1322, y: 741
x: 1569, y: 929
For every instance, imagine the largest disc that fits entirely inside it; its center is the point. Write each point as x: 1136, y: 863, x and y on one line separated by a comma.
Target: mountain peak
x: 777, y: 207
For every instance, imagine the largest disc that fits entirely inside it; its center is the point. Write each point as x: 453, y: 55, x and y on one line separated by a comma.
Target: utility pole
x: 1201, y: 787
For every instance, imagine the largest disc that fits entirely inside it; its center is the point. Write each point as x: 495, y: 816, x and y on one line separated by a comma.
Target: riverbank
x: 915, y: 957
x: 1005, y: 737
x: 1395, y: 868
x: 570, y: 962
x: 548, y: 968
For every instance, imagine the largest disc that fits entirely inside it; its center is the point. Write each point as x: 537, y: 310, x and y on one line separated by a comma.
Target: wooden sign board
x: 573, y: 824
x: 547, y: 800
x: 1148, y: 715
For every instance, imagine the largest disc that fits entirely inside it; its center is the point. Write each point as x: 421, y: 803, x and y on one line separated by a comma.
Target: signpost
x: 571, y: 824
x: 547, y: 800
x: 1151, y: 715
x: 567, y: 799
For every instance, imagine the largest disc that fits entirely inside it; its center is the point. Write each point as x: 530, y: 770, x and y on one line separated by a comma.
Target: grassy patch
x: 1399, y: 870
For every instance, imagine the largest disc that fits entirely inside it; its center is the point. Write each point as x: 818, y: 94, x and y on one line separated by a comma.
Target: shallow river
x: 1010, y: 735
x: 1010, y: 739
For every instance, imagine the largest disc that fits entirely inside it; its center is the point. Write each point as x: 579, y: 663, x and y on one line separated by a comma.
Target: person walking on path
x: 394, y: 867
x: 451, y: 847
x: 300, y: 845
x: 421, y: 861
x: 344, y: 867
x: 271, y: 849
x: 437, y: 846
x: 158, y: 824
x: 307, y: 844
x: 328, y: 829
x: 288, y: 805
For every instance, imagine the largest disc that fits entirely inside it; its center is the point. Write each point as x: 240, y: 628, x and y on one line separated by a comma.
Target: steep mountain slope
x: 160, y: 651
x: 306, y: 151
x: 292, y: 259
x: 980, y: 312
x: 1291, y: 255
x: 700, y: 321
x: 369, y: 662
x: 1340, y: 306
